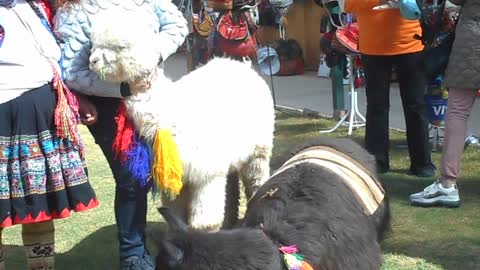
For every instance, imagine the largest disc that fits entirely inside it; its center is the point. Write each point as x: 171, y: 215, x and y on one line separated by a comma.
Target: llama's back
x: 313, y: 209
x: 227, y: 107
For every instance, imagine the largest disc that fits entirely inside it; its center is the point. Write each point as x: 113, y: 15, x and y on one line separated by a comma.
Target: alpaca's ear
x: 174, y: 222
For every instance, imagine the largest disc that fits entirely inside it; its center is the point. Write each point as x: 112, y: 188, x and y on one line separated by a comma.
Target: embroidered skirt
x: 42, y: 177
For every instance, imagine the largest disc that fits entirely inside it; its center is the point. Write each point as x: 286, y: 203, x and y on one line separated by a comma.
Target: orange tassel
x: 306, y: 266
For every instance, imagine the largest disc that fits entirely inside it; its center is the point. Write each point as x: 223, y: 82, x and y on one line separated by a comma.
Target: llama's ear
x: 174, y: 222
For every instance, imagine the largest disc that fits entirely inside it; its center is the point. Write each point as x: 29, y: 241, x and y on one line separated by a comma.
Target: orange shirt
x: 384, y: 32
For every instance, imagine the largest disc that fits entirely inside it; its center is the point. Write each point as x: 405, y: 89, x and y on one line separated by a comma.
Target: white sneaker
x: 437, y: 195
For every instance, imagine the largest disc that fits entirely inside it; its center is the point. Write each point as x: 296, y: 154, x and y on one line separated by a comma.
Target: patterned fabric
x: 28, y: 159
x: 42, y: 177
x: 463, y: 71
x: 39, y: 242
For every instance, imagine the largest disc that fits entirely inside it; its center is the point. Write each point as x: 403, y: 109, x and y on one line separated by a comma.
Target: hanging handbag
x: 235, y: 35
x: 203, y: 25
x: 348, y: 36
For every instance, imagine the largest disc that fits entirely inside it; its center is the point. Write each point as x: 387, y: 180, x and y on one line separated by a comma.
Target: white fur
x: 222, y: 115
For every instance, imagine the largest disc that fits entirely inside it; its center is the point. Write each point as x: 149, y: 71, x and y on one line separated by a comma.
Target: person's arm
x: 73, y: 26
x: 173, y: 27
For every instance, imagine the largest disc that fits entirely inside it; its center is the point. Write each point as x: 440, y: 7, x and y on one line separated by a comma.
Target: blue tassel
x: 151, y: 184
x: 139, y: 162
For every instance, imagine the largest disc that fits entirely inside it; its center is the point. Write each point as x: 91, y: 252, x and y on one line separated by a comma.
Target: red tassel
x: 124, y: 139
x: 66, y: 115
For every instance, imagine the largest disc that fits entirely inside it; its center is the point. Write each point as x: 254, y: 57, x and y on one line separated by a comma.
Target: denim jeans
x: 130, y: 198
x: 412, y: 81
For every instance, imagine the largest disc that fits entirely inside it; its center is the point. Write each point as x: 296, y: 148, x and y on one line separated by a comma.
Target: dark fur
x: 312, y: 209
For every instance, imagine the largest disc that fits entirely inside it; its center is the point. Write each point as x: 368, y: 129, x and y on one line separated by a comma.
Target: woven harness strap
x: 361, y: 182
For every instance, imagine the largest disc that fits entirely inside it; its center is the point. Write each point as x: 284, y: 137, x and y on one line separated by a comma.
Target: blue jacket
x: 73, y: 24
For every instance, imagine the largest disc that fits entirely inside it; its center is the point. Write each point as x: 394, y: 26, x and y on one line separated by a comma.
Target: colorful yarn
x: 293, y: 260
x: 138, y: 162
x: 167, y: 167
x: 125, y: 137
x: 132, y: 152
x: 66, y: 111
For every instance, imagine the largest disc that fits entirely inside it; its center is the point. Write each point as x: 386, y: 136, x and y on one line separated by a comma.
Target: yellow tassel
x: 167, y: 165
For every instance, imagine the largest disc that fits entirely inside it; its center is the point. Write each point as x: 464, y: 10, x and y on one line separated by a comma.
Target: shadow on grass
x: 446, y: 237
x: 98, y: 251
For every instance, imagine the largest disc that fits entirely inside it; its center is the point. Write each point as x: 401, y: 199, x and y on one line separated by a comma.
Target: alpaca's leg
x: 208, y: 204
x: 39, y: 239
x: 256, y: 171
x: 2, y: 254
x: 181, y: 204
x: 232, y: 200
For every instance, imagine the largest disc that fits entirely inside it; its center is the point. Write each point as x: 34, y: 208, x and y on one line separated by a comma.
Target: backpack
x: 235, y: 34
x: 438, y: 34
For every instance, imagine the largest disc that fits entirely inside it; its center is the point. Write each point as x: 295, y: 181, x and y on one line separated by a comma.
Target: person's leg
x: 445, y: 191
x: 39, y: 241
x: 2, y: 254
x: 130, y: 198
x: 378, y: 70
x: 412, y: 80
x: 460, y: 104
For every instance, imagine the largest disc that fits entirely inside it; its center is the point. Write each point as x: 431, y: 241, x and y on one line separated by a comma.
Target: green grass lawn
x: 423, y: 239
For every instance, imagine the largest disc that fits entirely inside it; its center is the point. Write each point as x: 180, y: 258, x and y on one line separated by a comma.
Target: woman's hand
x: 87, y: 110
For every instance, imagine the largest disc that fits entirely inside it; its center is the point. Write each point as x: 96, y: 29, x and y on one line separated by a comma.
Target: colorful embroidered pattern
x: 38, y: 164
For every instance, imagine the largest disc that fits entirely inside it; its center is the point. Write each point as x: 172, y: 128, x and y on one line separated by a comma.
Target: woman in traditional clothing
x: 42, y: 168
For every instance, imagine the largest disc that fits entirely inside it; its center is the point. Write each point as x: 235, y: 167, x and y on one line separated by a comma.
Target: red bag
x: 348, y: 36
x: 234, y: 35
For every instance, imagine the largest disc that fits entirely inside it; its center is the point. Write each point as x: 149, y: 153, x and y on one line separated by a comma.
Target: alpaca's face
x: 123, y: 51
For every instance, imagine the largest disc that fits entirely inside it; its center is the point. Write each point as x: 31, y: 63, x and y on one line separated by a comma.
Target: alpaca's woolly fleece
x: 221, y: 116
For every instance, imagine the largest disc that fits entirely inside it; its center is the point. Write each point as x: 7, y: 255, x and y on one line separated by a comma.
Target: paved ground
x: 314, y: 93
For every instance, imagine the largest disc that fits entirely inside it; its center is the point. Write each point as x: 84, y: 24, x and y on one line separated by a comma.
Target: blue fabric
x: 130, y: 203
x: 7, y: 3
x: 409, y: 9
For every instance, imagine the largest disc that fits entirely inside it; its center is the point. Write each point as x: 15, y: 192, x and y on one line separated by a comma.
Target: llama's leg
x: 208, y: 204
x: 181, y: 204
x: 2, y: 254
x: 256, y: 171
x: 232, y: 200
x: 38, y: 239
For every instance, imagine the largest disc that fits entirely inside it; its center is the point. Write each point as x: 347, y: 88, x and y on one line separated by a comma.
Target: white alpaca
x: 222, y: 115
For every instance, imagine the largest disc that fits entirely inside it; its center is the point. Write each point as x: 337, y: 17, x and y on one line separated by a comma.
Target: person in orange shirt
x: 387, y: 40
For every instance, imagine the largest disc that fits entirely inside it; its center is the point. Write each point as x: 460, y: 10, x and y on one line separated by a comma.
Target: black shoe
x: 138, y: 263
x: 425, y: 171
